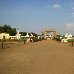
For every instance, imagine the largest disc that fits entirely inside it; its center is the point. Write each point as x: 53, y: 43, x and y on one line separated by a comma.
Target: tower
x: 18, y: 31
x: 18, y: 34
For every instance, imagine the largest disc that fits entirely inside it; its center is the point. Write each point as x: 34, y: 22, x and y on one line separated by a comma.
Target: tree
x: 13, y: 32
x: 34, y: 34
x: 23, y: 33
x: 1, y: 29
x: 71, y: 40
x: 58, y: 38
x: 8, y: 29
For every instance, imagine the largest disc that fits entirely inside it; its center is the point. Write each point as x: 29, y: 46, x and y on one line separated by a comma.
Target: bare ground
x: 44, y: 57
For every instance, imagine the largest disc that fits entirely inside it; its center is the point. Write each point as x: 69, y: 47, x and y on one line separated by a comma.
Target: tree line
x: 12, y: 31
x: 8, y: 29
x: 25, y: 33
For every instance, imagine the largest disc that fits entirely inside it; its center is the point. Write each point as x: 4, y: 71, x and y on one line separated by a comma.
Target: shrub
x: 71, y: 40
x: 58, y: 39
x: 35, y: 39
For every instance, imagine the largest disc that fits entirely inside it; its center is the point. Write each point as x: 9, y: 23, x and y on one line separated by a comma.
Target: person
x: 30, y: 39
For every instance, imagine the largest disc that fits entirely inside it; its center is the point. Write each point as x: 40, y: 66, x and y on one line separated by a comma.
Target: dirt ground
x: 43, y: 57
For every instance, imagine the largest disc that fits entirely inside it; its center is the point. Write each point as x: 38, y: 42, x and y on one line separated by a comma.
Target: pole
x: 2, y: 44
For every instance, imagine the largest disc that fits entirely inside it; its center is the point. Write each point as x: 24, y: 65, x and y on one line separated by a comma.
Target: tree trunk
x: 72, y: 43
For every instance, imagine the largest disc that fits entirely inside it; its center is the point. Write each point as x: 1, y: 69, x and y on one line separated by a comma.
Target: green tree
x: 71, y: 41
x: 58, y: 38
x: 23, y: 33
x: 13, y: 32
x: 1, y: 29
x: 34, y: 34
x: 8, y: 29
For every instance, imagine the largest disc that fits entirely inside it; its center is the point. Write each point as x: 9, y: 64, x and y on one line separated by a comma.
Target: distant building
x: 67, y: 36
x: 7, y: 36
x: 4, y: 36
x: 28, y: 37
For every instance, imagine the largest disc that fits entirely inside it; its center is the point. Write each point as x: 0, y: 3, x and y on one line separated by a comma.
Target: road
x: 43, y: 57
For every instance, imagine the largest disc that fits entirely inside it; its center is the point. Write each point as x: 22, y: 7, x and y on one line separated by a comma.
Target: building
x: 4, y: 36
x: 7, y: 36
x: 67, y: 36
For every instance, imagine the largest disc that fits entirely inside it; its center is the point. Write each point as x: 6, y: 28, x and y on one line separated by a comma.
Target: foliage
x: 40, y: 39
x: 8, y: 29
x: 58, y: 38
x: 12, y: 31
x: 35, y: 39
x: 70, y: 40
x: 23, y: 33
x: 34, y: 34
x: 29, y: 34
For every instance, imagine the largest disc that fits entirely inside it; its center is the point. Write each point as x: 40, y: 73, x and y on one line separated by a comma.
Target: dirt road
x: 44, y: 57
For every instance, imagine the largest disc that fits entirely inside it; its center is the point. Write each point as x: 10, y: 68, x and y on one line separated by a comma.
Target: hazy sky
x: 35, y: 15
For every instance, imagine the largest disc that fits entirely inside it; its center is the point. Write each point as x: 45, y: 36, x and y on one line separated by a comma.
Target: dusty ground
x: 44, y: 57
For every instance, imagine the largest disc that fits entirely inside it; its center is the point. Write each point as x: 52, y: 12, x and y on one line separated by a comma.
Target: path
x: 44, y: 57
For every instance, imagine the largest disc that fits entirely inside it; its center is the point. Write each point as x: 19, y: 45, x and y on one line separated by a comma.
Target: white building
x: 4, y: 36
x: 28, y: 37
x: 67, y: 36
x: 7, y: 36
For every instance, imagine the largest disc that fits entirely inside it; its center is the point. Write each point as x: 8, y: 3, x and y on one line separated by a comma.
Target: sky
x: 36, y: 15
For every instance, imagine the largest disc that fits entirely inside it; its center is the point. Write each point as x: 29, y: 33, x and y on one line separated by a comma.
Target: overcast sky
x: 36, y: 15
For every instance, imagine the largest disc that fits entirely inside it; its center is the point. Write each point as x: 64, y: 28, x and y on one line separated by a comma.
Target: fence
x: 10, y: 43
